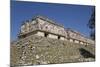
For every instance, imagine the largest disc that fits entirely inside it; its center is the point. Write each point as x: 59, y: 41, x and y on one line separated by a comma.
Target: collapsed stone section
x: 42, y: 26
x: 34, y: 50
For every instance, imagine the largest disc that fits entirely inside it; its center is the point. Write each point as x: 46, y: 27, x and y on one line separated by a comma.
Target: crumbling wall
x: 44, y: 26
x: 34, y: 50
x: 76, y: 37
x: 50, y: 27
x: 28, y: 27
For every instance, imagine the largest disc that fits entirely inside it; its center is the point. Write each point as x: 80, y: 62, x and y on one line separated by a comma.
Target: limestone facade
x: 47, y: 28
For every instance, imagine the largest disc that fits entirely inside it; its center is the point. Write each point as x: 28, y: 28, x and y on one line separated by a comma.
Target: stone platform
x: 35, y: 50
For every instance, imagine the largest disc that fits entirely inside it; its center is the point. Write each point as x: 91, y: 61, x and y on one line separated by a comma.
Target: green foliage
x: 91, y: 24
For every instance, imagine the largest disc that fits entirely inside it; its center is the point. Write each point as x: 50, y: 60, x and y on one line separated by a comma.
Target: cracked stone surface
x: 34, y: 50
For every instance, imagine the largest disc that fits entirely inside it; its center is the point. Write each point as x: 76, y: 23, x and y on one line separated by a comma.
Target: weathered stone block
x: 52, y: 36
x: 62, y: 38
x: 76, y: 41
x: 71, y: 40
x: 40, y: 33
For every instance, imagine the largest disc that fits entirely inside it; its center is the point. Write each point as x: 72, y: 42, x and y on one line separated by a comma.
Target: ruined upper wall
x: 50, y: 27
x: 75, y: 35
x: 28, y: 27
x: 43, y: 24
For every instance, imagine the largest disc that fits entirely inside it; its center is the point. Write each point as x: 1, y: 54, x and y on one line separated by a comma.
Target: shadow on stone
x: 85, y: 53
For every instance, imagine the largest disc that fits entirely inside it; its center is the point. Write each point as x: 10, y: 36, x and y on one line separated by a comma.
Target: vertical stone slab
x: 62, y: 38
x: 40, y: 33
x: 76, y: 41
x: 52, y: 36
x: 71, y: 40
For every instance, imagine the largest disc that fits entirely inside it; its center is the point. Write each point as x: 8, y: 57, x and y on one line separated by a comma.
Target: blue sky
x: 71, y: 16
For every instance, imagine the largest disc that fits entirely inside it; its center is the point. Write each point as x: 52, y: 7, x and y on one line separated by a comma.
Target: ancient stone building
x: 42, y: 41
x: 42, y: 26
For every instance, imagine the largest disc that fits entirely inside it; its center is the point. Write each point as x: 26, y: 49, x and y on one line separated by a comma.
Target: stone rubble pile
x: 34, y: 50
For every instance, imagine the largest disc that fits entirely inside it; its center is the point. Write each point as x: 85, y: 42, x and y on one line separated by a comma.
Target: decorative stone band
x: 80, y: 41
x: 48, y: 20
x: 44, y: 34
x: 54, y: 36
